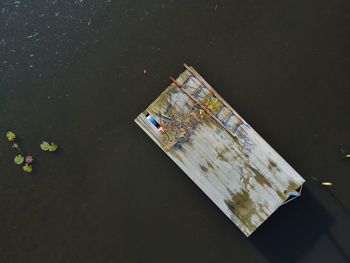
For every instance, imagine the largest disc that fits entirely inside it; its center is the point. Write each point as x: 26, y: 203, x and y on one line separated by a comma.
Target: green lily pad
x: 53, y: 147
x: 16, y: 146
x: 45, y: 146
x: 27, y: 168
x: 19, y: 159
x: 11, y: 136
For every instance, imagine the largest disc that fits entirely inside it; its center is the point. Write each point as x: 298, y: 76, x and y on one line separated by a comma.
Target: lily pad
x: 53, y: 147
x: 19, y: 159
x: 11, y: 136
x: 45, y: 146
x: 16, y: 146
x: 27, y: 168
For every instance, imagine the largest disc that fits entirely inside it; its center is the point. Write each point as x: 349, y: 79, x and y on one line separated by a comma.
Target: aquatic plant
x: 45, y: 146
x: 19, y: 159
x: 16, y: 146
x: 29, y: 159
x: 53, y: 147
x: 11, y: 136
x: 212, y: 104
x: 27, y: 168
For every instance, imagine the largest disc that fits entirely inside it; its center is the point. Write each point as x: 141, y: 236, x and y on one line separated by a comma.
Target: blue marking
x: 152, y: 120
x: 187, y: 80
x: 218, y: 112
x: 236, y: 129
x: 227, y: 119
x: 198, y: 91
x: 247, y: 145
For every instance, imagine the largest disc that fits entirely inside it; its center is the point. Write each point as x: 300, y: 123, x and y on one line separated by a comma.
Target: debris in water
x: 145, y: 71
x: 327, y: 183
x: 346, y: 153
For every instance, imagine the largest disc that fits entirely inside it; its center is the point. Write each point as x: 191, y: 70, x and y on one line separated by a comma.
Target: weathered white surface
x: 221, y: 153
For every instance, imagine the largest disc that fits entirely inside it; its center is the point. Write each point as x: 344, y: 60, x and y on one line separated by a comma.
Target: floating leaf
x: 19, y: 159
x: 16, y: 146
x: 327, y: 183
x: 45, y: 146
x: 11, y: 136
x: 53, y: 147
x: 347, y: 156
x: 27, y: 168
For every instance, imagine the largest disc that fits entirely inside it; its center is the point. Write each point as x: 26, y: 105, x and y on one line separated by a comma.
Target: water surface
x: 73, y: 72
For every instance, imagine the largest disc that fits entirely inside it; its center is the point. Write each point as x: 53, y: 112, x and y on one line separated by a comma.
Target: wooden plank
x: 294, y: 180
x: 248, y: 185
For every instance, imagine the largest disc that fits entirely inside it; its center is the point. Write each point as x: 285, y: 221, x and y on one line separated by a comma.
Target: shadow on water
x: 339, y: 202
x: 338, y: 247
x: 292, y: 231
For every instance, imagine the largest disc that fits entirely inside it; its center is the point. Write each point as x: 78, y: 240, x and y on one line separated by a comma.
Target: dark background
x: 72, y: 72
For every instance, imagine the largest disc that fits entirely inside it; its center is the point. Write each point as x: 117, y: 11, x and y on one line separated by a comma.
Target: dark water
x: 72, y: 72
